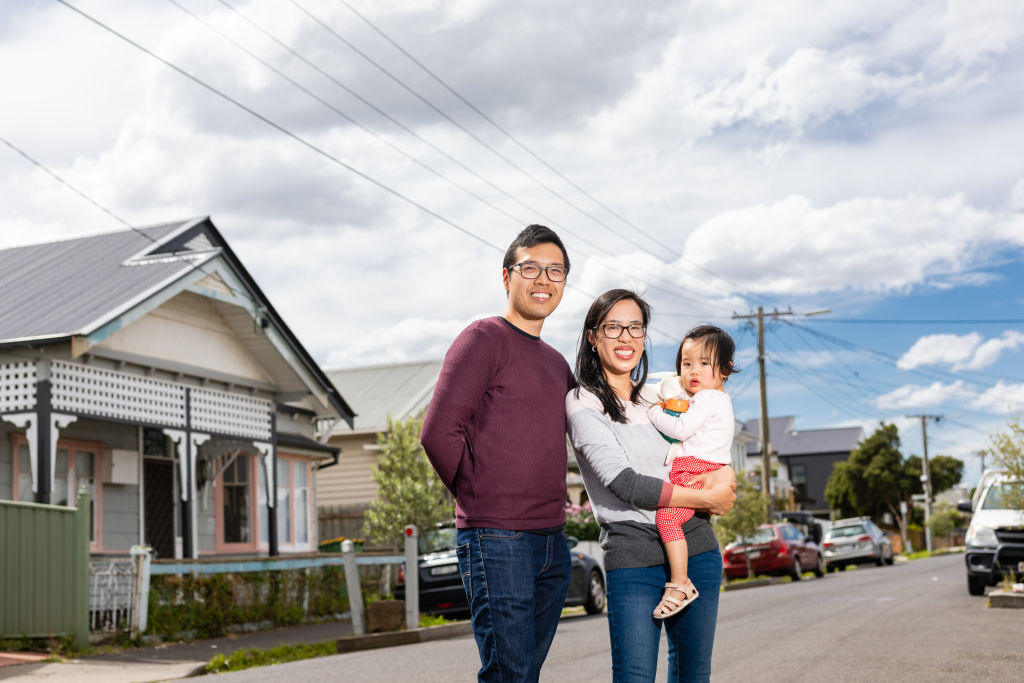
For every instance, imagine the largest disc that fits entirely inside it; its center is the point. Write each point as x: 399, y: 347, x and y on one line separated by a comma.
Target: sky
x: 370, y: 162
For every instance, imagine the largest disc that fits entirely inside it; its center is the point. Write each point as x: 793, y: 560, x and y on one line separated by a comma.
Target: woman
x: 622, y: 460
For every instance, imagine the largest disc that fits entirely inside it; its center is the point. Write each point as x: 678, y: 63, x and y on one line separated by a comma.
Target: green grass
x: 247, y: 659
x: 935, y: 553
x: 432, y: 620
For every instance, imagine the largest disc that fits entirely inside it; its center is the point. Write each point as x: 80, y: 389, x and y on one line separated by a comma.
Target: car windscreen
x: 437, y: 540
x: 995, y: 498
x: 760, y: 536
x: 843, y: 531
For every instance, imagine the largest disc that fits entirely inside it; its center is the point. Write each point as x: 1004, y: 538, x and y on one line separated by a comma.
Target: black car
x: 441, y: 590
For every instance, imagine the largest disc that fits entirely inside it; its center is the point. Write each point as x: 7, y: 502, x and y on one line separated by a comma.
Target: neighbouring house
x: 805, y: 459
x: 148, y: 366
x: 399, y: 390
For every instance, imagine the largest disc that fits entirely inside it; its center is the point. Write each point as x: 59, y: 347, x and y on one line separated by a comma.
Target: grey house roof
x: 376, y: 391
x: 786, y: 439
x: 56, y: 291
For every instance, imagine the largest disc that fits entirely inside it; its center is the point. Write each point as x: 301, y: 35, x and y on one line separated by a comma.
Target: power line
x: 139, y: 231
x: 296, y: 137
x: 922, y: 321
x: 529, y: 151
x: 419, y: 138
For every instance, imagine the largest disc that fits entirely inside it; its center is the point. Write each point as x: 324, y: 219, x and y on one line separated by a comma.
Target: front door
x: 158, y: 480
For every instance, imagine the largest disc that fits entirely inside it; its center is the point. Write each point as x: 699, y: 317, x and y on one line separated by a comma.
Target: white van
x: 995, y: 537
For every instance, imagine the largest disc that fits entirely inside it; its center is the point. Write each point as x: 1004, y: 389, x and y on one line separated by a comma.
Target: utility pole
x: 766, y: 442
x: 926, y: 478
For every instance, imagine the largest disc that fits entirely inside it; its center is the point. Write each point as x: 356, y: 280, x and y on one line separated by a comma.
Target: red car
x: 779, y: 549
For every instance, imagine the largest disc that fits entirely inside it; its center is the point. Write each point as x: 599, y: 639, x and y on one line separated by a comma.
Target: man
x: 495, y: 433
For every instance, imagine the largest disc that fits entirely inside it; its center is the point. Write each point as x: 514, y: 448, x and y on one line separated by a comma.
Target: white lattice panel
x: 95, y: 391
x: 224, y: 413
x: 17, y: 386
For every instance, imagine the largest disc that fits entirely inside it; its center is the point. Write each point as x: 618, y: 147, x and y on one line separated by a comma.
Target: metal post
x: 142, y: 556
x: 355, y: 594
x: 81, y: 555
x: 412, y: 577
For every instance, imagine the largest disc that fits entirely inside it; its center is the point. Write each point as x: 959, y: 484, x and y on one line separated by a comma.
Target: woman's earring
x: 594, y: 349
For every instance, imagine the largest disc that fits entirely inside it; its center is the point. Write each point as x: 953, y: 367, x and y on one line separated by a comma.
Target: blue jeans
x: 635, y: 634
x: 516, y: 584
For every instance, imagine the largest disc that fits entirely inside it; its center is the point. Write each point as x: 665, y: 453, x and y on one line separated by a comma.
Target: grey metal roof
x: 396, y: 389
x: 57, y: 289
x: 786, y: 439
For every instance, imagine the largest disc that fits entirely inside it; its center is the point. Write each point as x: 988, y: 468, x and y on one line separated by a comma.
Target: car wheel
x: 819, y: 569
x: 881, y: 560
x: 891, y: 557
x: 797, y: 570
x: 975, y: 585
x: 595, y: 593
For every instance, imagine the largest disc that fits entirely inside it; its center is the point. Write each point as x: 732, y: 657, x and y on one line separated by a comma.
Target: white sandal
x: 663, y: 612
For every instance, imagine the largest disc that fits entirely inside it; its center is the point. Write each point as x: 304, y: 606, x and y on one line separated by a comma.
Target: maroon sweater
x: 495, y: 428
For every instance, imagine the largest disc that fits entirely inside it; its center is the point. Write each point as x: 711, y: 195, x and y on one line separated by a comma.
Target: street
x: 913, y: 620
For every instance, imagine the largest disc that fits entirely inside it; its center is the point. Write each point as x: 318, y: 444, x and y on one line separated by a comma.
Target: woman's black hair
x: 718, y: 345
x: 589, y: 373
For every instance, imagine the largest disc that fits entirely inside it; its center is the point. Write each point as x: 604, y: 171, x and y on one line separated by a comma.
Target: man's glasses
x: 614, y: 330
x: 532, y: 271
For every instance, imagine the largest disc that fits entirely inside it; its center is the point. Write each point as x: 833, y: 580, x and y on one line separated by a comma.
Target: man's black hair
x: 531, y: 236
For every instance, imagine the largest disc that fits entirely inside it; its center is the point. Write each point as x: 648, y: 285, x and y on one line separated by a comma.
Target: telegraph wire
x: 74, y: 189
x: 139, y: 231
x: 444, y: 115
x: 921, y: 321
x: 465, y: 130
x: 298, y: 138
x: 693, y: 294
x: 530, y: 152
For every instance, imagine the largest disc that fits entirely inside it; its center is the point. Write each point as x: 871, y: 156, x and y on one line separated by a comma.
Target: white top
x: 705, y: 430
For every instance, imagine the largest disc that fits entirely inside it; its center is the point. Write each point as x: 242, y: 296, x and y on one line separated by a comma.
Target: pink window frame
x: 72, y: 447
x: 220, y: 546
x: 293, y: 545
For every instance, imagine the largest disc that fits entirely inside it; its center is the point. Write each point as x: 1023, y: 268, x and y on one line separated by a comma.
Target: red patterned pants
x: 670, y: 520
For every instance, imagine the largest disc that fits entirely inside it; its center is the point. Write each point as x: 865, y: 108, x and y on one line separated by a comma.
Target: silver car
x: 855, y: 541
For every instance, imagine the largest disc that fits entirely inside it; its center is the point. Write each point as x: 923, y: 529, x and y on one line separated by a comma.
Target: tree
x: 943, y: 520
x: 877, y: 478
x: 1007, y: 451
x: 746, y: 515
x: 409, y: 491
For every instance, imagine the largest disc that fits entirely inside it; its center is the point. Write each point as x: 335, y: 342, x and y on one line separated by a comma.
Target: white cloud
x: 869, y: 244
x: 911, y: 396
x: 1003, y: 398
x: 960, y: 352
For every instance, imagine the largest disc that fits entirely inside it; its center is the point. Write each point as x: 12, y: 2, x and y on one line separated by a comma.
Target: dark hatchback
x: 442, y: 593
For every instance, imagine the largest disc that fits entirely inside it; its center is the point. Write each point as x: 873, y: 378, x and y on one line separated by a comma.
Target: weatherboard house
x: 806, y: 456
x: 147, y: 366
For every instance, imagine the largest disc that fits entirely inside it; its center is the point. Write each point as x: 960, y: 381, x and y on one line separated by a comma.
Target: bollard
x: 355, y: 593
x: 412, y: 577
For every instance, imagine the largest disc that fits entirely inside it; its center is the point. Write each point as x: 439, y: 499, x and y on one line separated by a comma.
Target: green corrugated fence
x: 44, y: 570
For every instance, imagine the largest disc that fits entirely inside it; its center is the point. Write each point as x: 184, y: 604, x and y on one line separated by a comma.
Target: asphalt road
x: 912, y: 621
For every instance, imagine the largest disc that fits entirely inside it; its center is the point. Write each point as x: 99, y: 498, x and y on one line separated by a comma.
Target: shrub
x: 581, y: 523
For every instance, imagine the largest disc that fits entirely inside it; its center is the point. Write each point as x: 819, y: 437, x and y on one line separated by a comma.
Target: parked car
x: 441, y: 590
x: 856, y: 540
x: 995, y: 537
x: 809, y: 525
x: 780, y: 549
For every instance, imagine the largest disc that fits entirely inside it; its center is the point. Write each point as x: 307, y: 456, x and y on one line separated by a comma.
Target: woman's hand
x: 720, y: 497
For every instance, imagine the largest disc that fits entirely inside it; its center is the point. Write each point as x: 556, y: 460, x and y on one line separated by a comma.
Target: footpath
x: 165, y: 662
